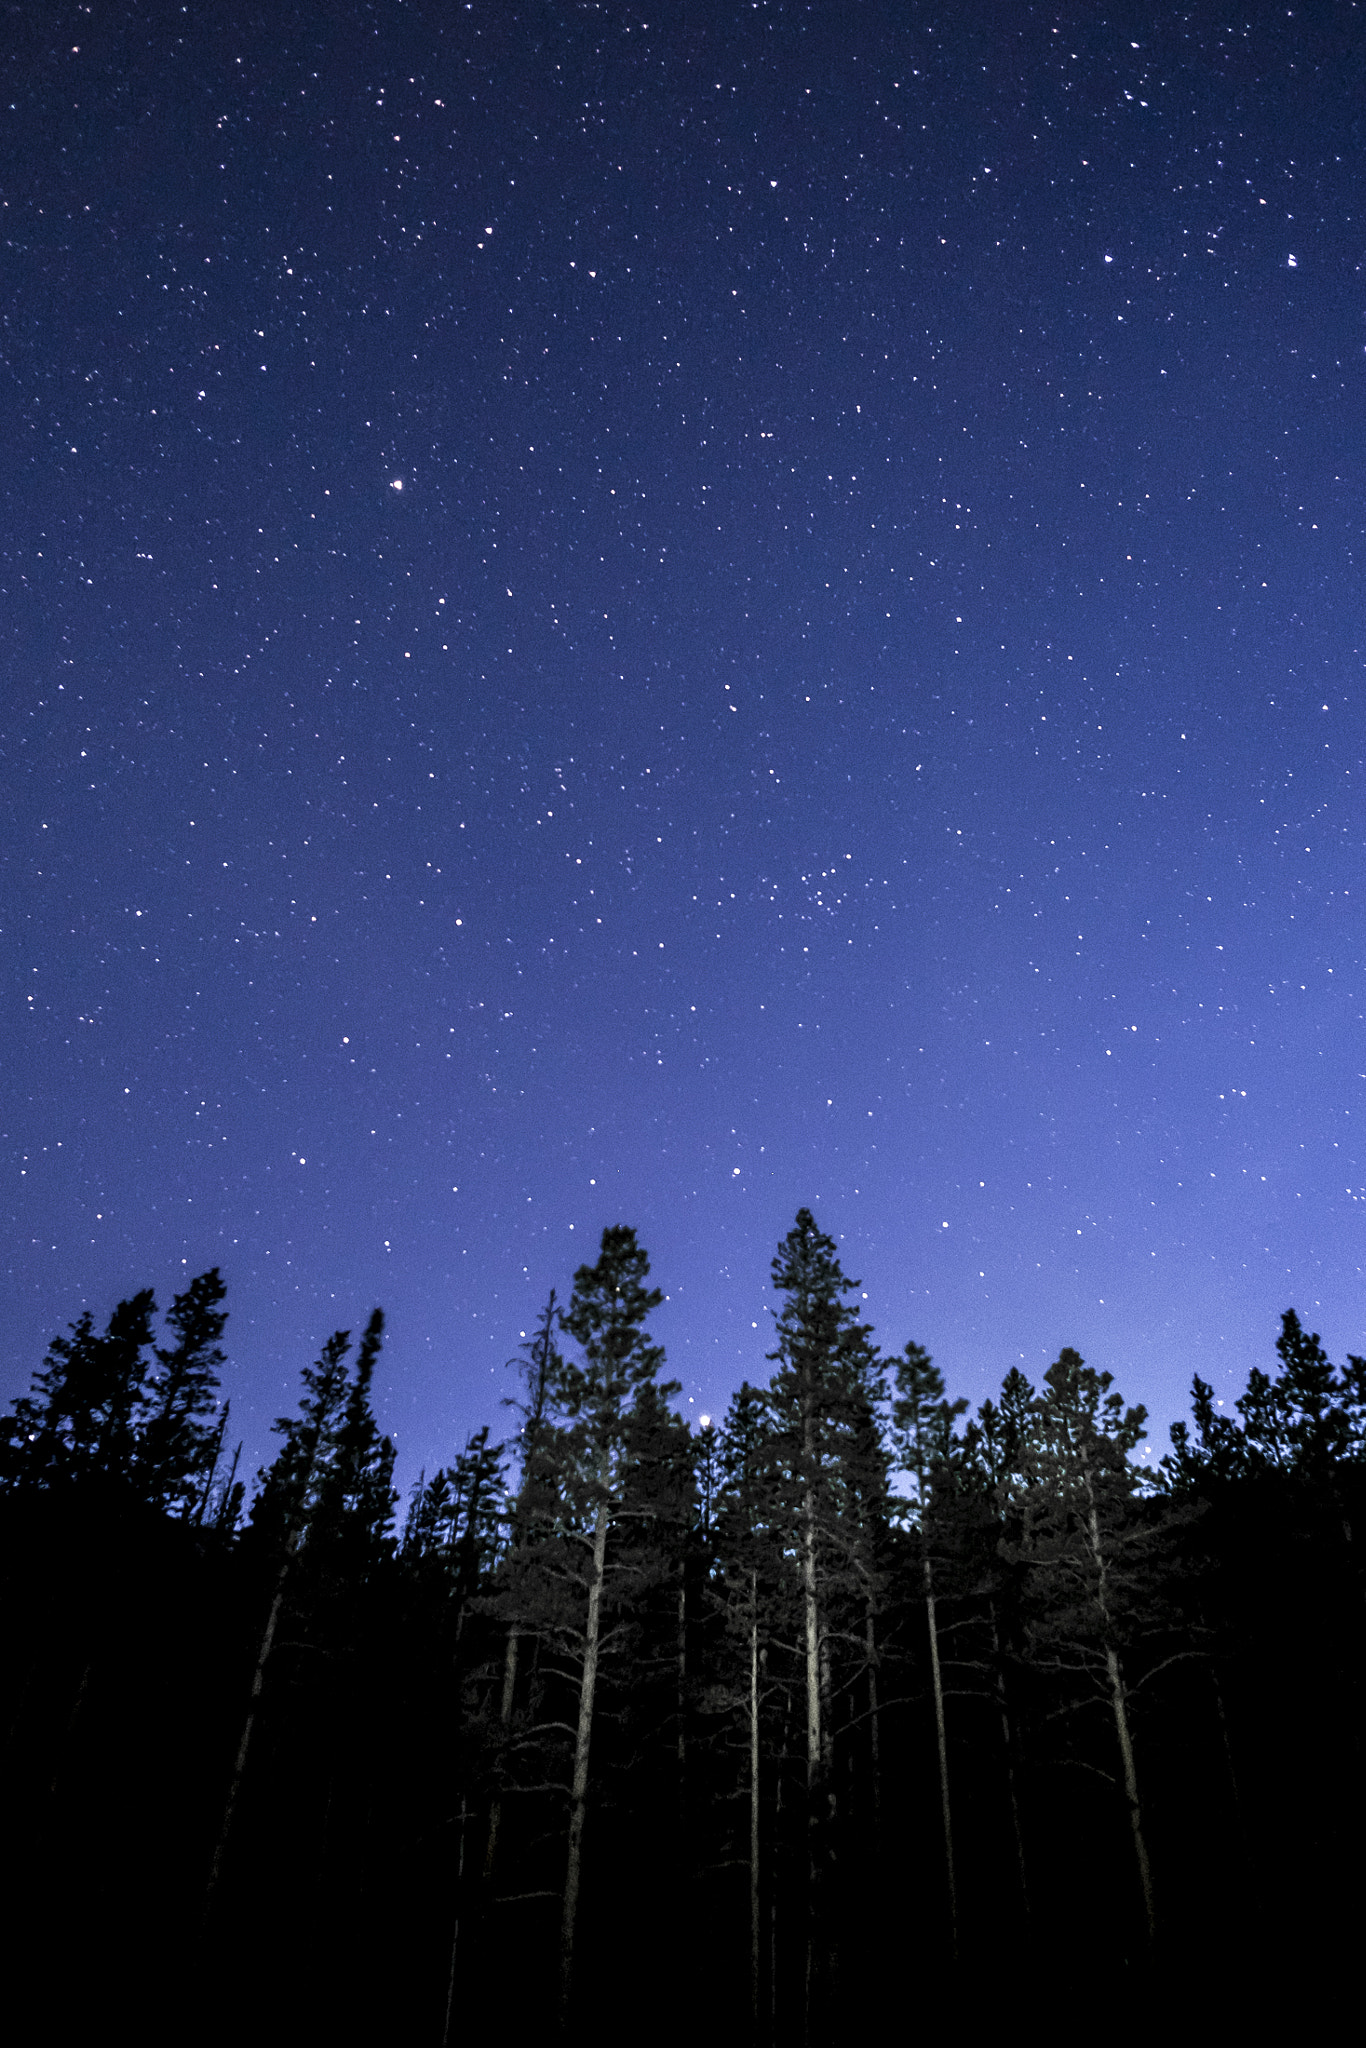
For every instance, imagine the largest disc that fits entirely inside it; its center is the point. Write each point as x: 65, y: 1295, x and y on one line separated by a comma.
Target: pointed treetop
x: 606, y: 1318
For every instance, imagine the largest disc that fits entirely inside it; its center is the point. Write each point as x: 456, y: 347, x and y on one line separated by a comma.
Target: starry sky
x: 626, y: 619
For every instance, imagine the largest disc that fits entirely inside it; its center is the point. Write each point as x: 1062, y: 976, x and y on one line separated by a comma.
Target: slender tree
x: 577, y: 1489
x: 180, y: 1441
x: 922, y: 1435
x: 992, y: 1449
x: 749, y: 1588
x: 1085, y: 1546
x: 290, y: 1496
x: 825, y: 1371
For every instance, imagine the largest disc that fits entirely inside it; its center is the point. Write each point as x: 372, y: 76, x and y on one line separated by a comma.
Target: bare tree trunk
x: 1008, y: 1743
x: 1119, y: 1703
x: 1126, y: 1750
x: 505, y: 1717
x: 814, y: 1750
x: 578, y: 1797
x: 773, y: 1911
x: 941, y: 1733
x: 812, y: 1632
x: 258, y: 1680
x: 754, y: 1921
x: 213, y: 1467
x: 682, y: 1690
x: 874, y: 1719
x: 455, y: 1929
x: 221, y: 1521
x: 827, y: 1727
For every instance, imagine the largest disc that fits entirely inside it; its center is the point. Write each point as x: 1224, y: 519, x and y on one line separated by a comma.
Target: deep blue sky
x: 611, y: 619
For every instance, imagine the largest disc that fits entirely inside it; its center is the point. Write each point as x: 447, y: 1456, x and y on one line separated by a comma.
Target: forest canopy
x: 848, y: 1674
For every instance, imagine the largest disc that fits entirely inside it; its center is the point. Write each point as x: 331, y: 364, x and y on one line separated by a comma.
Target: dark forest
x: 849, y: 1702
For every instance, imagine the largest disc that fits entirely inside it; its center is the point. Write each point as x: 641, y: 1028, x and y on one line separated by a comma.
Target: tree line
x: 851, y: 1695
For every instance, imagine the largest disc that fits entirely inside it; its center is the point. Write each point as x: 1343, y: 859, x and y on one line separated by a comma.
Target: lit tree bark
x: 941, y: 1735
x: 822, y: 1395
x: 578, y: 1796
x: 755, y: 1972
x: 505, y: 1719
x: 1118, y: 1698
x: 812, y: 1636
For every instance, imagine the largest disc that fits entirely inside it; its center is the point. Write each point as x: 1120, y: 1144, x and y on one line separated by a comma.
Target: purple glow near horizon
x: 612, y: 620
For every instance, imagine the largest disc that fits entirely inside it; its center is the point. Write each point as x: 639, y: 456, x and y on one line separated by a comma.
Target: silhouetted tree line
x: 850, y: 1702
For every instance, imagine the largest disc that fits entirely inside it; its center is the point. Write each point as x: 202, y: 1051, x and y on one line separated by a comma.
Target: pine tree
x: 606, y: 1318
x: 1086, y: 1548
x: 824, y: 1385
x: 752, y: 1591
x: 923, y: 1440
x: 455, y: 1525
x: 539, y: 1366
x: 452, y: 1540
x: 993, y: 1445
x: 80, y: 1424
x: 348, y: 1531
x: 288, y: 1497
x: 179, y: 1445
x: 598, y: 1421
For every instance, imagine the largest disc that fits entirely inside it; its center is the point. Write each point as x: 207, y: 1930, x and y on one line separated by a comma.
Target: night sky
x: 611, y: 619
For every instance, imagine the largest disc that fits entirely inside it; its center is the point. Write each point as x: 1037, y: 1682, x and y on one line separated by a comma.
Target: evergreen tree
x: 539, y: 1366
x: 824, y: 1386
x: 1088, y: 1551
x: 606, y: 1318
x: 991, y: 1464
x: 289, y: 1496
x: 454, y: 1530
x: 597, y: 1418
x: 348, y: 1530
x: 754, y: 1593
x: 80, y: 1424
x: 923, y: 1440
x: 179, y: 1445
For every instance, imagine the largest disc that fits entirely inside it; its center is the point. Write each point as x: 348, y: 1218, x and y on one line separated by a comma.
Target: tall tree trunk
x: 258, y: 1680
x: 682, y: 1691
x: 814, y: 1747
x: 226, y: 1513
x: 755, y: 1972
x: 209, y: 1476
x: 455, y: 1928
x: 1119, y: 1704
x: 578, y: 1797
x: 874, y: 1719
x: 942, y: 1735
x: 773, y: 1911
x: 505, y: 1718
x: 812, y: 1636
x: 1008, y: 1744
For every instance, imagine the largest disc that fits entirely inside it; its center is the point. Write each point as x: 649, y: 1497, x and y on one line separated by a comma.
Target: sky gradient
x: 624, y: 620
